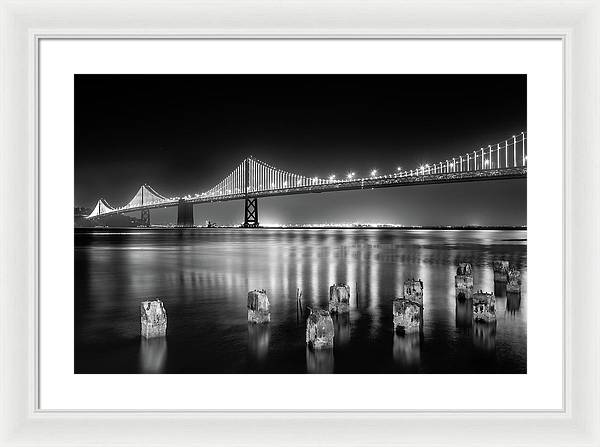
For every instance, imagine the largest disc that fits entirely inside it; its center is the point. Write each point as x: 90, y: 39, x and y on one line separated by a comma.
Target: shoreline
x: 298, y: 227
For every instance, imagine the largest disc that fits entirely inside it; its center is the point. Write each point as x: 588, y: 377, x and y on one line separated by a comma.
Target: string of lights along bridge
x: 254, y: 178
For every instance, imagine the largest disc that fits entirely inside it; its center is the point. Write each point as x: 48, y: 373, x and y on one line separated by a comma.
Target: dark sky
x: 183, y: 133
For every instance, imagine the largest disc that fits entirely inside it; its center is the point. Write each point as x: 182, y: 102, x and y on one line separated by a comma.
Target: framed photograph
x: 253, y: 223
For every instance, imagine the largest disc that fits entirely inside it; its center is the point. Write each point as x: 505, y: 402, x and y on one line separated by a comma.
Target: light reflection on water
x: 203, y: 277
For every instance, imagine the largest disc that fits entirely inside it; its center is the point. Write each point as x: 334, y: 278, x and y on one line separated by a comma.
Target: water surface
x: 203, y: 276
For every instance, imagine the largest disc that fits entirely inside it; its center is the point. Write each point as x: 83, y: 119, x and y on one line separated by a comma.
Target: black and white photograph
x: 300, y: 223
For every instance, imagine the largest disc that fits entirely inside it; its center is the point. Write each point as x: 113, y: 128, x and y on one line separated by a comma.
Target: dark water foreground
x: 203, y: 277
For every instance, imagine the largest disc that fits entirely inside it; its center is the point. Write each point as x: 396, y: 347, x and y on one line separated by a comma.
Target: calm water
x: 203, y: 277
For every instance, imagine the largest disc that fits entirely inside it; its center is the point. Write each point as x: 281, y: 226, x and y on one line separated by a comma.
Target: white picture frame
x: 22, y: 24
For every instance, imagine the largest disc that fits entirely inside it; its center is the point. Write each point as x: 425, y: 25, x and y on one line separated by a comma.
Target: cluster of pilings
x: 472, y: 309
x: 477, y: 310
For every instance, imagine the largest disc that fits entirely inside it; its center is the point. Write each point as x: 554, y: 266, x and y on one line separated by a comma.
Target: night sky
x: 183, y: 133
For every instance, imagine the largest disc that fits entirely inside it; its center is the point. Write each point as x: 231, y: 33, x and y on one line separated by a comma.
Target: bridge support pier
x: 145, y: 217
x: 251, y: 213
x: 185, y: 214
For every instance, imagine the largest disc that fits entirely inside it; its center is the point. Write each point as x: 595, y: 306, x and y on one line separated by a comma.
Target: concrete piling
x: 413, y: 291
x: 153, y: 317
x: 463, y: 282
x: 339, y: 298
x: 407, y: 316
x: 484, y: 307
x: 500, y: 270
x: 408, y: 310
x: 319, y: 329
x: 514, y: 281
x: 258, y: 307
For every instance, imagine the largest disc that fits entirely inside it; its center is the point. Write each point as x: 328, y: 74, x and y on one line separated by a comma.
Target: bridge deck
x: 349, y: 185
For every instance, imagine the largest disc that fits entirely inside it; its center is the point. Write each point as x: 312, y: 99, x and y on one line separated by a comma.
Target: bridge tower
x: 251, y: 203
x: 145, y: 217
x: 185, y: 214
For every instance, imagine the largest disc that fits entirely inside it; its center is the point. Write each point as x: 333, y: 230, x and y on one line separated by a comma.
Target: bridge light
x: 487, y: 162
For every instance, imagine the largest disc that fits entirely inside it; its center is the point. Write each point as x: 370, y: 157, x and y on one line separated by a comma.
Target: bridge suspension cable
x: 146, y: 195
x: 101, y: 207
x: 255, y: 176
x: 510, y: 153
x: 260, y: 177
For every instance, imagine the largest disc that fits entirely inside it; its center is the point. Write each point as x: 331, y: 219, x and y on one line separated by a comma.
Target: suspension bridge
x: 253, y: 179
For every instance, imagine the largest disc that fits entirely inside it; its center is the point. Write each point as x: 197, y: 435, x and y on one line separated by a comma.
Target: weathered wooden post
x: 500, y: 270
x: 153, y: 319
x: 339, y: 298
x: 408, y: 310
x: 484, y: 307
x: 463, y: 282
x: 258, y: 307
x: 319, y: 329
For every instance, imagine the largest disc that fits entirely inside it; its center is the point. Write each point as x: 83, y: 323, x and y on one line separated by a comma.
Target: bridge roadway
x: 345, y: 185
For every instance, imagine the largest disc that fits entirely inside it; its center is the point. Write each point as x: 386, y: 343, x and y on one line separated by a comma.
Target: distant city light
x: 373, y: 172
x: 399, y: 168
x: 350, y: 175
x: 331, y: 177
